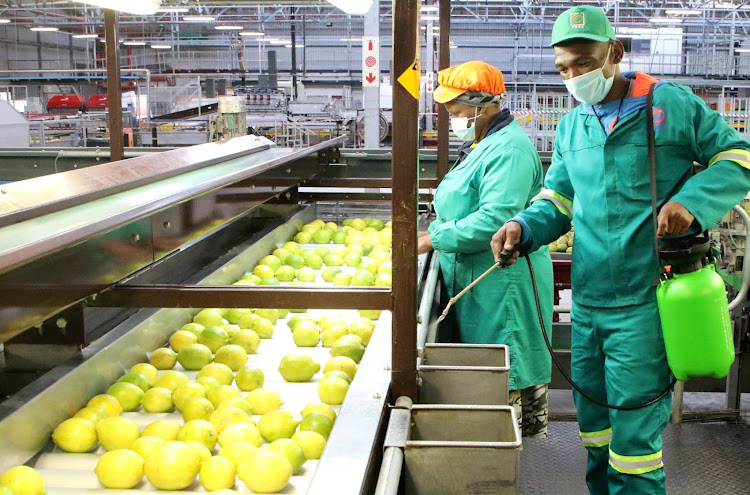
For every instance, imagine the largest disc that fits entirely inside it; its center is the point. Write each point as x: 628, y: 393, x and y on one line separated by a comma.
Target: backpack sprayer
x: 690, y: 295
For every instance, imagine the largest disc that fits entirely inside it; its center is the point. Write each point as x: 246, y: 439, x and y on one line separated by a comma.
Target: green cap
x: 586, y: 21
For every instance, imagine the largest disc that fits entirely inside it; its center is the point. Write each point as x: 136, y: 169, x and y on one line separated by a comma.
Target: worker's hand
x: 674, y: 219
x: 424, y: 243
x: 507, y: 238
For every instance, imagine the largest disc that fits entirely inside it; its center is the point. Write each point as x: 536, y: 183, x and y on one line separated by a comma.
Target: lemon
x: 208, y: 317
x: 136, y: 379
x: 201, y: 450
x: 171, y: 380
x: 117, y: 432
x: 145, y: 369
x: 92, y: 414
x: 263, y: 400
x: 165, y: 429
x: 238, y: 452
x: 180, y: 339
x: 163, y: 358
x: 128, y: 395
x: 298, y: 367
x: 372, y: 314
x: 318, y: 423
x: 219, y: 394
x: 333, y: 334
x: 277, y: 424
x: 231, y: 355
x: 208, y: 382
x: 248, y: 340
x: 306, y: 336
x: 292, y: 247
x: 291, y: 450
x: 213, y: 338
x: 271, y: 315
x: 197, y: 408
x: 264, y: 328
x: 120, y: 468
x: 76, y: 435
x: 217, y: 473
x: 157, y: 400
x: 232, y: 330
x: 239, y: 403
x: 341, y: 363
x: 266, y: 472
x: 349, y: 348
x: 312, y: 443
x: 23, y: 480
x: 182, y: 394
x: 364, y: 328
x: 339, y: 374
x: 194, y: 356
x: 222, y: 418
x: 248, y: 322
x: 240, y: 432
x: 194, y: 328
x: 297, y: 319
x: 143, y: 445
x: 332, y: 390
x: 221, y: 372
x: 329, y: 320
x: 172, y: 466
x: 249, y: 378
x: 319, y: 408
x: 107, y: 403
x: 234, y: 315
x: 4, y: 490
x: 199, y: 430
x: 264, y: 271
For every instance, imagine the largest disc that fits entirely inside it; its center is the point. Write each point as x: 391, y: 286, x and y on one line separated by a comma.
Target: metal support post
x: 114, y: 90
x: 405, y: 180
x: 371, y: 96
x: 444, y: 62
x: 429, y: 67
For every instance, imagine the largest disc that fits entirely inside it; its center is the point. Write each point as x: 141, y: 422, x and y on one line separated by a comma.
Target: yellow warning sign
x: 411, y: 79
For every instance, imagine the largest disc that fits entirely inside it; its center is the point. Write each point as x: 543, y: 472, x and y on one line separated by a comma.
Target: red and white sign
x: 430, y: 82
x: 370, y: 61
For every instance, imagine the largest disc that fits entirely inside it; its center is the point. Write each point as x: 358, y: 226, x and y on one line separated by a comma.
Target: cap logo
x: 577, y: 20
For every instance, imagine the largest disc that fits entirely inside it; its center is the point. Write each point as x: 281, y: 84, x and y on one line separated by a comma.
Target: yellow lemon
x: 92, y: 414
x: 277, y: 424
x: 119, y: 468
x: 319, y: 408
x: 201, y: 449
x: 117, y: 432
x: 163, y: 358
x: 238, y: 452
x: 149, y: 371
x: 221, y: 372
x: 128, y: 395
x: 23, y: 480
x: 332, y: 390
x: 182, y: 394
x: 239, y: 403
x: 157, y: 400
x: 171, y: 379
x: 318, y: 423
x: 341, y: 363
x: 194, y: 356
x: 223, y: 417
x: 143, y: 445
x: 217, y: 473
x: 291, y: 450
x: 298, y: 367
x: 234, y: 356
x: 76, y: 435
x: 197, y: 408
x: 312, y: 443
x: 107, y: 403
x: 199, y: 430
x: 247, y: 339
x: 219, y: 394
x: 166, y: 429
x: 249, y: 378
x: 240, y: 432
x: 172, y: 466
x: 265, y: 472
x: 180, y: 339
x: 263, y: 400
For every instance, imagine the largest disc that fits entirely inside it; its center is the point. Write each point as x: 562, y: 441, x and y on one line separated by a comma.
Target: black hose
x: 565, y: 374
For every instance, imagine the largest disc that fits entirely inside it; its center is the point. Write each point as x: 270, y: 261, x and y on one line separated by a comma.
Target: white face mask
x: 460, y: 127
x: 592, y: 87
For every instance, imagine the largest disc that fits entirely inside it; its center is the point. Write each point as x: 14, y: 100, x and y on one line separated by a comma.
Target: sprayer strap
x: 652, y: 169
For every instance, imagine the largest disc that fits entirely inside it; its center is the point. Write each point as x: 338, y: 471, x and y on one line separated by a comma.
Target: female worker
x: 496, y: 176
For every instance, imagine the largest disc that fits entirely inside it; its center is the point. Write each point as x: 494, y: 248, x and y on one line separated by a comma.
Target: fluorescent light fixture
x: 4, y: 21
x: 179, y: 10
x: 427, y: 18
x: 742, y: 50
x: 134, y: 43
x: 161, y: 47
x: 86, y: 36
x: 682, y: 12
x: 137, y: 7
x: 352, y: 6
x: 280, y: 42
x: 225, y: 27
x: 198, y: 18
x: 429, y: 8
x: 296, y: 46
x: 666, y: 20
x: 453, y: 46
x: 251, y: 33
x: 43, y: 28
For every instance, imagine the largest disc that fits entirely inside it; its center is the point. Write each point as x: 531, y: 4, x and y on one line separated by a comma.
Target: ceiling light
x: 86, y: 36
x: 4, y: 21
x: 429, y: 8
x: 43, y: 28
x: 198, y: 18
x: 430, y: 18
x: 666, y: 20
x: 134, y: 43
x: 682, y: 12
x: 226, y: 27
x: 161, y: 47
x: 352, y: 6
x: 178, y: 10
x: 137, y: 7
x: 296, y: 46
x: 280, y: 42
x: 742, y: 50
x: 251, y: 33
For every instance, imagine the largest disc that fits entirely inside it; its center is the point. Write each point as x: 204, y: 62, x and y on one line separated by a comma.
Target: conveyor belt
x: 699, y: 458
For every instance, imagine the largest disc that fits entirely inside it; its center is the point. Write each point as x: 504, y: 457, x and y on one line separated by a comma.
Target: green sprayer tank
x: 694, y: 312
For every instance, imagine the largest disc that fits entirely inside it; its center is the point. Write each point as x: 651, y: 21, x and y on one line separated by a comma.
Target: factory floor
x: 699, y: 457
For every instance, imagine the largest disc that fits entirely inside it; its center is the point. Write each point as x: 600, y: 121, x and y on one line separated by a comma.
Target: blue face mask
x: 592, y: 87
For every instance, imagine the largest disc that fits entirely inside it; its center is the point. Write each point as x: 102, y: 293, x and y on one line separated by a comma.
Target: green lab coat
x: 496, y: 181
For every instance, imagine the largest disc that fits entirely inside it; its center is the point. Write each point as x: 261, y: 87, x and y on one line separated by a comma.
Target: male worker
x: 599, y: 179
